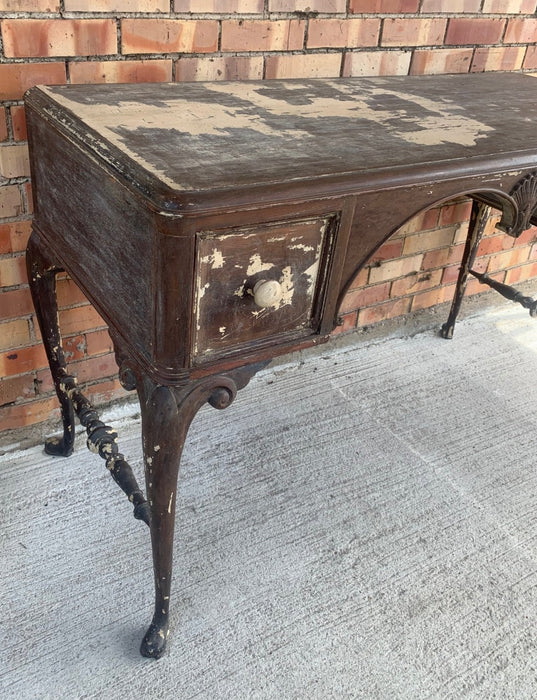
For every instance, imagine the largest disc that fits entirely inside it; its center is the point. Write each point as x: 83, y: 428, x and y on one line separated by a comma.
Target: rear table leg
x: 42, y: 278
x: 478, y: 219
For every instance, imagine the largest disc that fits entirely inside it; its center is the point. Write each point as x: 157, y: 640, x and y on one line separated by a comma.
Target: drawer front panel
x: 259, y: 284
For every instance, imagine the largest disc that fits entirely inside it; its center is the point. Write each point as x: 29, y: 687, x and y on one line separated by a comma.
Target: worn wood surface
x: 129, y: 176
x: 214, y: 136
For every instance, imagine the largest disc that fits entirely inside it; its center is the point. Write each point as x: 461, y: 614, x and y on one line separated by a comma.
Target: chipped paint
x: 170, y: 503
x: 215, y: 259
x: 311, y: 273
x: 257, y: 265
x: 254, y: 108
x: 302, y: 246
x: 156, y: 448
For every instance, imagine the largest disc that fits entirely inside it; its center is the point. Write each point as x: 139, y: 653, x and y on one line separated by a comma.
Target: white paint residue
x: 276, y: 239
x: 170, y: 503
x: 311, y: 273
x: 257, y: 265
x: 286, y: 282
x: 215, y: 259
x: 443, y: 122
x: 240, y: 291
x: 301, y: 246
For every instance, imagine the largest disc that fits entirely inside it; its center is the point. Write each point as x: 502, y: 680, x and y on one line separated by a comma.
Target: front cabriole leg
x: 166, y: 416
x: 42, y: 279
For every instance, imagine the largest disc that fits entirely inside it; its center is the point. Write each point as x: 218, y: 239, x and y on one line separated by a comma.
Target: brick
x: 246, y: 7
x: 69, y: 294
x: 16, y: 78
x: 455, y: 213
x: 59, y: 37
x: 526, y: 237
x: 519, y: 274
x: 509, y: 7
x: 117, y: 5
x: 168, y: 36
x: 18, y: 120
x: 437, y: 61
x: 494, y: 244
x: 320, y: 65
x: 442, y: 257
x: 371, y: 63
x: 14, y: 161
x: 3, y: 124
x: 144, y: 71
x: 27, y: 188
x: 74, y: 347
x: 350, y: 33
x: 16, y: 388
x: 30, y: 413
x: 413, y: 32
x: 394, y: 269
x: 10, y: 201
x: 507, y: 58
x: 424, y: 300
x: 466, y: 30
x: 417, y: 282
x: 15, y: 303
x: 348, y: 323
x: 104, y: 392
x: 22, y: 360
x: 521, y: 31
x: 452, y: 6
x: 359, y: 298
x: 95, y: 368
x: 13, y: 271
x: 14, y: 334
x: 510, y: 258
x: 360, y: 280
x: 530, y: 61
x: 260, y: 35
x: 393, y: 7
x: 382, y: 312
x: 388, y: 251
x: 324, y: 6
x: 429, y: 240
x: 29, y: 6
x: 98, y: 343
x: 219, y: 68
x: 424, y: 221
x: 80, y: 319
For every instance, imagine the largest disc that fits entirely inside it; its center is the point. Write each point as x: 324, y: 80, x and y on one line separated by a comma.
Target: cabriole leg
x: 42, y: 279
x: 166, y: 416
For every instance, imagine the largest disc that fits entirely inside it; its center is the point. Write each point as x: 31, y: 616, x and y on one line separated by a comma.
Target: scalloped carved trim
x: 525, y: 195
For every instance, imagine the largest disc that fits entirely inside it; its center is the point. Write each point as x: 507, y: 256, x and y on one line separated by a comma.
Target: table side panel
x: 101, y: 231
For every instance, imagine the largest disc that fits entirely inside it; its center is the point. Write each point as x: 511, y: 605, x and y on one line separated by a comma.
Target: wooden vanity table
x: 217, y: 225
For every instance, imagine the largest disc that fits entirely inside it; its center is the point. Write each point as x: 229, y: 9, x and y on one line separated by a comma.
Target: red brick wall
x: 83, y: 41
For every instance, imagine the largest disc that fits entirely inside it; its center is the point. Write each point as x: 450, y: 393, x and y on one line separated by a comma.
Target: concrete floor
x: 363, y: 525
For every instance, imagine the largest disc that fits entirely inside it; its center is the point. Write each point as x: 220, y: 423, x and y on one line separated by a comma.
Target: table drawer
x: 258, y: 285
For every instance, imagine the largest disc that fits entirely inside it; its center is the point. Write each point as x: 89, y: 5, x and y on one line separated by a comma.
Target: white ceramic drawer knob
x: 267, y: 293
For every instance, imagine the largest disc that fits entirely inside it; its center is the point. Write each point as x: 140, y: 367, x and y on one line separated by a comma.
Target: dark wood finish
x: 180, y: 209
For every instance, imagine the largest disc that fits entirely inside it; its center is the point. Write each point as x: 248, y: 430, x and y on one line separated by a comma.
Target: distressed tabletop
x: 207, y: 136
